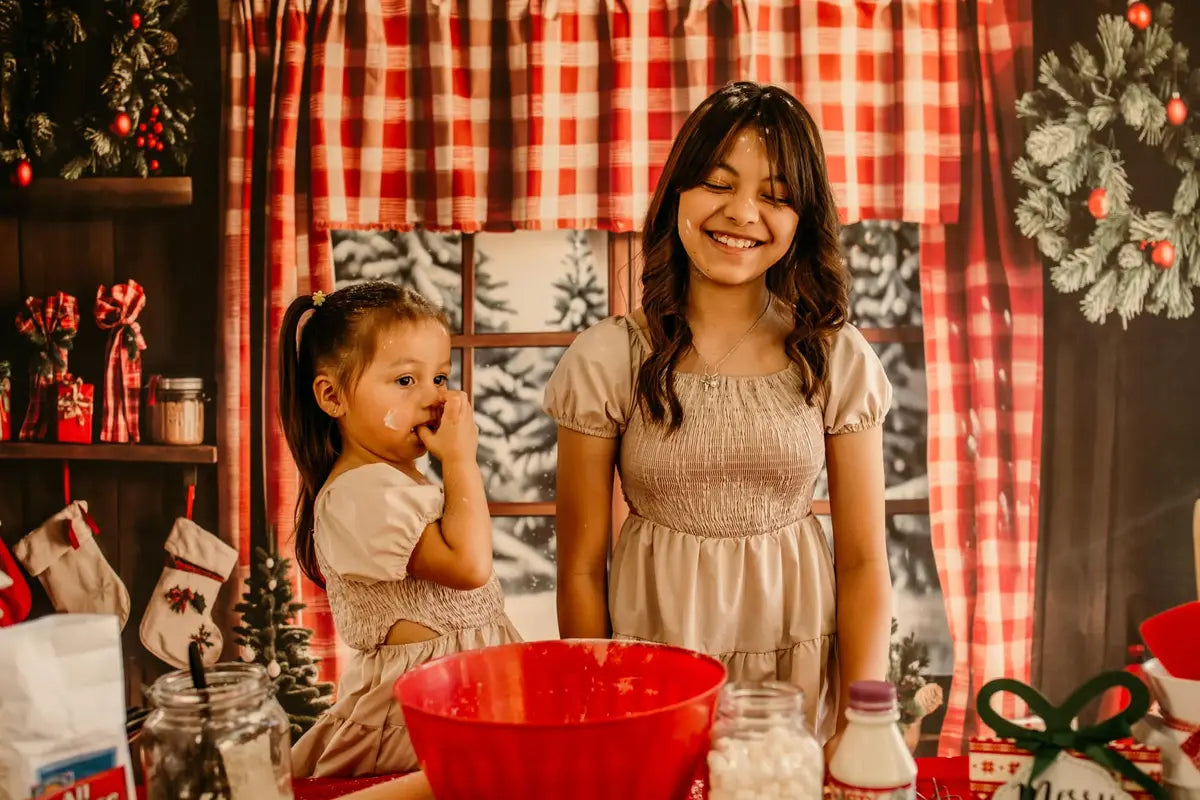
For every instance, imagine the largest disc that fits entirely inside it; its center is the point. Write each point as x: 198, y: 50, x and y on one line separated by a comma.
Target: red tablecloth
x: 950, y: 774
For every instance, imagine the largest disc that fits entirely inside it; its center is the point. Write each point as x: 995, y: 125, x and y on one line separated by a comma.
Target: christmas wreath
x: 1078, y: 204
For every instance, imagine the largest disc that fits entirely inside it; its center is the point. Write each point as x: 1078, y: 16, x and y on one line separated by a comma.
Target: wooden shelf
x: 99, y: 451
x: 57, y: 196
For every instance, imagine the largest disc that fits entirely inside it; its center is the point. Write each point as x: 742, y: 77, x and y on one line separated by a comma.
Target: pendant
x: 710, y: 382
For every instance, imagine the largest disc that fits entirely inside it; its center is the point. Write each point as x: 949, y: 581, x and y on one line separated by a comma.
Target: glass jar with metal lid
x: 175, y: 410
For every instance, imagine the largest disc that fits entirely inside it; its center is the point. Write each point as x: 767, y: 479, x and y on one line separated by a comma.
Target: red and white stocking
x: 62, y: 553
x: 180, y: 610
x: 15, y: 599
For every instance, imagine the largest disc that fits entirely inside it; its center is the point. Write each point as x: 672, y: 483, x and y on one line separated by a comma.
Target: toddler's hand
x: 457, y: 435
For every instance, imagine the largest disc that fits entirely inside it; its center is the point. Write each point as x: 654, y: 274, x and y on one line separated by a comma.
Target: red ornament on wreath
x: 135, y: 20
x: 1139, y: 15
x: 122, y: 124
x: 1177, y: 111
x: 1098, y: 203
x: 1163, y: 254
x: 23, y: 174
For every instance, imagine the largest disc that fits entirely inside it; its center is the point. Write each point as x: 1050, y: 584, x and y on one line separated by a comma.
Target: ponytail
x: 312, y: 435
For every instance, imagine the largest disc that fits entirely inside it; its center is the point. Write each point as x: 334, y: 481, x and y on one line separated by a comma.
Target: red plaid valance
x: 560, y: 113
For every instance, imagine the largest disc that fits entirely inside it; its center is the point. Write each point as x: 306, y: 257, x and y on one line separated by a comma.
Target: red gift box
x: 997, y: 763
x: 74, y: 417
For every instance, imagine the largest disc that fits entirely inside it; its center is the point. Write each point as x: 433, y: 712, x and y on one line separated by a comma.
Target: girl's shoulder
x: 375, y: 476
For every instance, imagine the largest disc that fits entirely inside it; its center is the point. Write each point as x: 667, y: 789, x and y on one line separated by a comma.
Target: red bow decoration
x: 50, y: 326
x: 75, y: 404
x: 117, y: 311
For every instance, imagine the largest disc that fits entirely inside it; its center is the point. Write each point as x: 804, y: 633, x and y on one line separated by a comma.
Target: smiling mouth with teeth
x: 736, y: 242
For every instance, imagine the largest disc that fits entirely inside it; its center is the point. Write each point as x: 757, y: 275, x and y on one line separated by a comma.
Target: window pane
x: 517, y: 440
x: 532, y: 281
x: 430, y: 263
x: 883, y: 257
x: 905, y: 429
x: 524, y: 548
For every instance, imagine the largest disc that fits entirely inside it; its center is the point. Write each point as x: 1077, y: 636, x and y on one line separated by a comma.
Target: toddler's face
x: 402, y: 389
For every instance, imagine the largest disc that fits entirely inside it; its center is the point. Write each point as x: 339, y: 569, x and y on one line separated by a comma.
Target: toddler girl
x: 407, y: 566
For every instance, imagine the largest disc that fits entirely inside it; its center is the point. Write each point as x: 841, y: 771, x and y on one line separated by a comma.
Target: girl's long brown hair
x: 811, y: 277
x: 338, y: 338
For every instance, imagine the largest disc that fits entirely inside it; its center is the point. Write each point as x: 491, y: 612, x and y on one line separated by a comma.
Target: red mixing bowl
x: 562, y: 720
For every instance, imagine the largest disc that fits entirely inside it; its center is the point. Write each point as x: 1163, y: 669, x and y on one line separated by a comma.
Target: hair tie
x: 318, y: 298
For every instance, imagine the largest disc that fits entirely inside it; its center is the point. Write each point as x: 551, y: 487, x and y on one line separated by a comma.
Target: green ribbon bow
x: 1092, y: 742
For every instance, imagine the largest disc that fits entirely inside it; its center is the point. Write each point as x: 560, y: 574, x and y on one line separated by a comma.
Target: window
x: 515, y: 301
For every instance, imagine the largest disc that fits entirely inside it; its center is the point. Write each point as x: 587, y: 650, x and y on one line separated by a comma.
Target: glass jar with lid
x: 175, y: 410
x: 762, y: 745
x: 230, y: 741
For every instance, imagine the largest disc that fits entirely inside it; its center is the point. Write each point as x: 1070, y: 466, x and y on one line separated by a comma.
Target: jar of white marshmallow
x: 762, y: 746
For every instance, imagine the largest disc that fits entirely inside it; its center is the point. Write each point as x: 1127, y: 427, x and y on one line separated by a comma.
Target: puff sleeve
x: 858, y: 393
x: 369, y: 520
x: 591, y: 390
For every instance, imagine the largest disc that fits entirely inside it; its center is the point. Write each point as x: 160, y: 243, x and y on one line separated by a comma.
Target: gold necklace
x: 711, y: 374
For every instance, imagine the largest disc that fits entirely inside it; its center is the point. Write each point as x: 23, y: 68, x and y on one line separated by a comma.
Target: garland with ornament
x: 144, y: 107
x: 267, y: 636
x: 35, y: 37
x: 1078, y: 204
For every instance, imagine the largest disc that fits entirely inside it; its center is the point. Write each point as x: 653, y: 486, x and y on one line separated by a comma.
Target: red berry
x: 135, y: 20
x: 122, y: 124
x: 24, y: 173
x: 1098, y: 203
x: 158, y: 146
x: 1163, y: 254
x: 158, y: 127
x: 1177, y: 111
x: 140, y: 141
x: 153, y: 165
x: 1139, y: 15
x: 142, y: 128
x: 154, y: 112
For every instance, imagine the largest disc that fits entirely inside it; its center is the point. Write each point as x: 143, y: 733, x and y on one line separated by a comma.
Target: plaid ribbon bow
x: 117, y: 311
x: 74, y: 404
x: 50, y: 326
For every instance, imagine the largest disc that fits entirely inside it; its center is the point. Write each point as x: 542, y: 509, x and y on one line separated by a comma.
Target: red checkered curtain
x: 981, y: 286
x: 881, y: 78
x: 475, y: 115
x: 267, y: 63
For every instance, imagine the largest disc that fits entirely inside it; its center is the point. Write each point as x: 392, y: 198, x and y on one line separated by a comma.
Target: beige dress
x: 721, y: 552
x: 368, y: 520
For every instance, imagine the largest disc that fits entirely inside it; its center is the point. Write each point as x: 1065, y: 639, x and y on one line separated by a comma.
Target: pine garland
x: 145, y: 101
x: 35, y: 35
x: 1078, y: 203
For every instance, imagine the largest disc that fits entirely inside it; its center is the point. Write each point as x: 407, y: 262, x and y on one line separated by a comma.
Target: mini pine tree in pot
x: 268, y: 636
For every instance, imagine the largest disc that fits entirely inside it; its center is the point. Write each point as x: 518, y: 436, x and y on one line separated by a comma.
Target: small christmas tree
x: 266, y: 636
x: 140, y: 127
x: 34, y: 36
